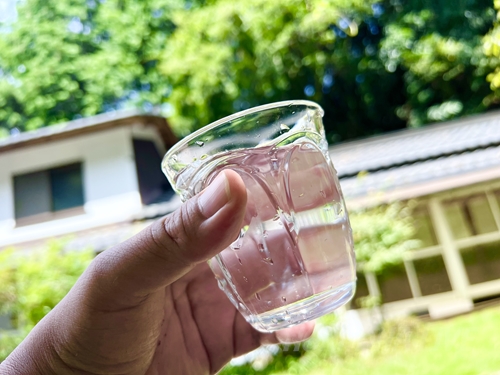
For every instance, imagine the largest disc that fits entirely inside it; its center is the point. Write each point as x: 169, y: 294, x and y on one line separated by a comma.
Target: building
x: 452, y: 170
x: 96, y: 180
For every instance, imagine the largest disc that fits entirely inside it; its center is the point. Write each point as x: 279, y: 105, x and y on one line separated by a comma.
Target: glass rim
x: 184, y: 141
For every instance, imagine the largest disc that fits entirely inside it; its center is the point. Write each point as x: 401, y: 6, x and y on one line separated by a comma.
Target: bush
x: 407, y: 332
x: 33, y: 283
x: 326, y: 346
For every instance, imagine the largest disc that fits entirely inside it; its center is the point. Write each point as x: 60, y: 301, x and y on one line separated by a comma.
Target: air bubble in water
x: 220, y: 283
x: 245, y: 278
x: 284, y: 128
x: 236, y: 246
x: 257, y: 295
x: 269, y: 260
x: 200, y: 143
x: 265, y: 234
x: 337, y: 208
x: 261, y: 247
x: 301, y: 195
x: 239, y: 260
x: 274, y: 320
x: 275, y: 164
x: 283, y: 298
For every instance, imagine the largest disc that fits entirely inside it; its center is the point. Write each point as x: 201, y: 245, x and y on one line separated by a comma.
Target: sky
x: 7, y: 10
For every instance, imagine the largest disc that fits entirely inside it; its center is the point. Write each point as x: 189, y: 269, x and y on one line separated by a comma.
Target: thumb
x: 173, y: 245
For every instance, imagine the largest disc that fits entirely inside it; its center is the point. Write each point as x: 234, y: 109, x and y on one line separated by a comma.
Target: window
x: 424, y: 229
x: 482, y: 262
x: 361, y: 291
x: 48, y: 194
x: 394, y: 284
x: 432, y: 275
x: 153, y: 185
x: 470, y: 216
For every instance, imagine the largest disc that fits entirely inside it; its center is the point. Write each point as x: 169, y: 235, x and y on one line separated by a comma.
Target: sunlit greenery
x: 464, y: 345
x: 33, y: 283
x: 382, y: 235
x: 374, y: 65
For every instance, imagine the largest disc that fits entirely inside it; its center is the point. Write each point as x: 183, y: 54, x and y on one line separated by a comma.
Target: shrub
x: 33, y: 283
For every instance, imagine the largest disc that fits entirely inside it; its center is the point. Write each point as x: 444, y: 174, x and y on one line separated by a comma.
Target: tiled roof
x: 413, y: 145
x: 87, y: 124
x: 415, y: 156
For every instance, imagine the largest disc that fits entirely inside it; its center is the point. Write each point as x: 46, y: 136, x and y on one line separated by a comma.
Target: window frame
x: 52, y: 214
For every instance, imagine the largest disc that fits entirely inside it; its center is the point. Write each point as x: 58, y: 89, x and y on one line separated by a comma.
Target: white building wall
x: 109, y: 177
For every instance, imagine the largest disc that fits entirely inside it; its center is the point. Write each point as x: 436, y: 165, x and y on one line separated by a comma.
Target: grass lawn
x: 465, y: 345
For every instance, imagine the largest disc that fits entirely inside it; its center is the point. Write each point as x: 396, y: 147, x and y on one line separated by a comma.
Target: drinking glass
x: 293, y: 260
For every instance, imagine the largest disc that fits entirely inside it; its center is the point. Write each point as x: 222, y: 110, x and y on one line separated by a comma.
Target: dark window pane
x: 455, y: 215
x: 424, y: 229
x: 481, y: 215
x: 470, y: 216
x: 66, y: 187
x: 432, y: 275
x: 361, y: 290
x: 394, y: 285
x: 153, y: 185
x: 32, y: 194
x: 482, y: 262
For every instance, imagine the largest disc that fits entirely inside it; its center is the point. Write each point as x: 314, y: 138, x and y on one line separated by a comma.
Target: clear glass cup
x: 294, y: 258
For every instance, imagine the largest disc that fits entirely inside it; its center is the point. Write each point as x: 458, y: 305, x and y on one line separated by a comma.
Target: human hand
x: 151, y: 305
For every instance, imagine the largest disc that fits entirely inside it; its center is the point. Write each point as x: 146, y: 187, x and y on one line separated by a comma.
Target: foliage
x: 33, y: 283
x: 374, y: 65
x: 492, y: 51
x: 407, y: 346
x: 229, y: 56
x: 326, y: 345
x: 408, y: 332
x: 438, y: 47
x: 66, y: 59
x: 382, y: 235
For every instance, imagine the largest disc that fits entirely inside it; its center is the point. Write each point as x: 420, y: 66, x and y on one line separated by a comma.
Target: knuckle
x: 177, y: 232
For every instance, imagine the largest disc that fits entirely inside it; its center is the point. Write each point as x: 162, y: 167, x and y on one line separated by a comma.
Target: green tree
x: 492, y: 51
x: 32, y: 284
x: 64, y: 59
x: 374, y: 66
x: 438, y: 46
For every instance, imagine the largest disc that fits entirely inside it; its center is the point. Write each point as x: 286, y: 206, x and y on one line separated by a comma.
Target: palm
x: 202, y: 325
x: 140, y: 308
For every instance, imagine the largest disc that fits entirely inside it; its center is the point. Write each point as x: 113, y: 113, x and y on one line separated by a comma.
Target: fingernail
x: 215, y: 196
